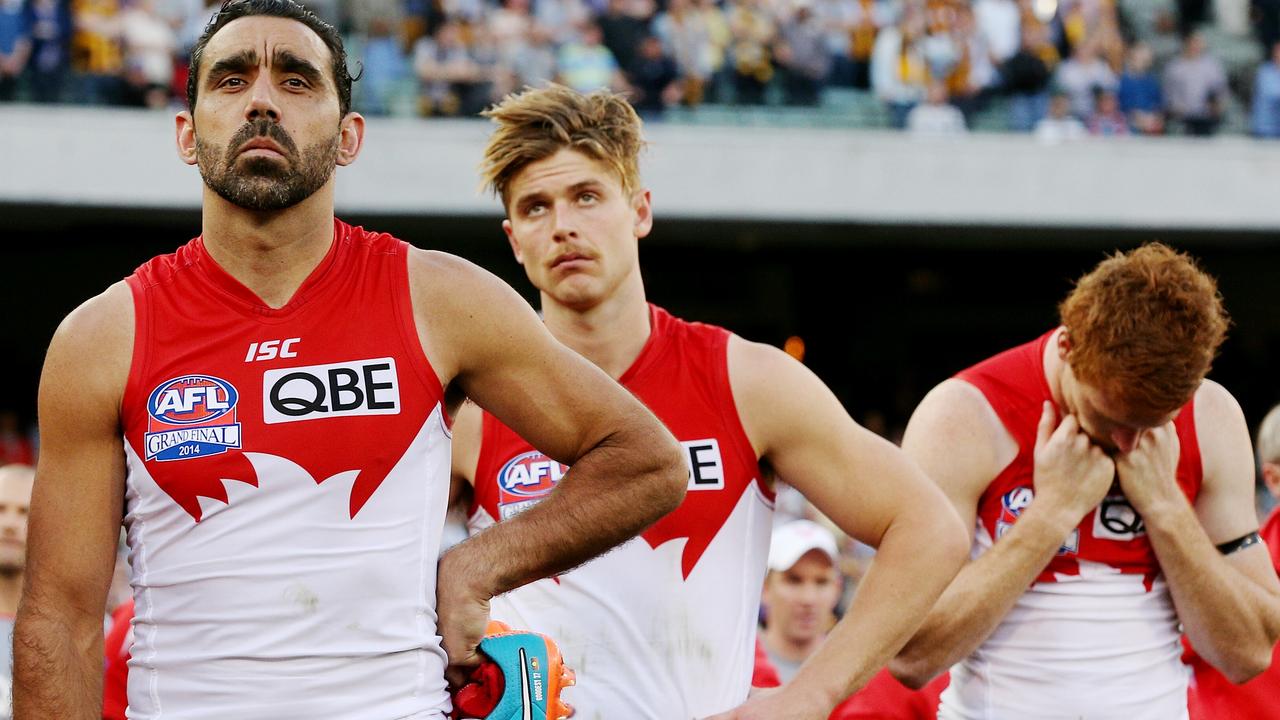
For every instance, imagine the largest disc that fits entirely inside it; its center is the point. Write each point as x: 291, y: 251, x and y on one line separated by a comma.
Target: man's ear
x: 351, y: 139
x: 185, y: 128
x: 511, y: 238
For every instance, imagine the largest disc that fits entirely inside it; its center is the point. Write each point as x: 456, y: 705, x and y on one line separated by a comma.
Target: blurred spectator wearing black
x: 1025, y: 77
x: 801, y: 52
x: 1266, y: 22
x: 623, y: 26
x: 1266, y: 97
x: 753, y: 31
x: 1107, y: 119
x: 1195, y: 87
x: 15, y: 47
x: 1141, y: 99
x: 655, y: 81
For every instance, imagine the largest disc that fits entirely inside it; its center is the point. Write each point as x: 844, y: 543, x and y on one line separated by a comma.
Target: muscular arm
x: 75, y: 514
x: 960, y: 443
x: 1229, y: 605
x: 871, y: 491
x: 626, y: 468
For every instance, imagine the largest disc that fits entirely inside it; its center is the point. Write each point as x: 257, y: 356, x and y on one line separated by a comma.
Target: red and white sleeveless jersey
x: 664, y: 626
x: 288, y: 472
x: 1096, y: 635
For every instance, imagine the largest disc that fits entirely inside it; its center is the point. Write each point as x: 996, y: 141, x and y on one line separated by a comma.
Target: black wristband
x: 1240, y: 543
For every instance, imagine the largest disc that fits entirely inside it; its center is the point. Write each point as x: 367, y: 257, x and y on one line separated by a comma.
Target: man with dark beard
x: 269, y: 407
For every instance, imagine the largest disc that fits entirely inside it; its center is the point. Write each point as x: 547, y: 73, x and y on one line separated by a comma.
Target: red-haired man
x: 1112, y: 490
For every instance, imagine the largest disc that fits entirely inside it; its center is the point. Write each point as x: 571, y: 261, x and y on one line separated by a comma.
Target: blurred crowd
x: 1059, y: 68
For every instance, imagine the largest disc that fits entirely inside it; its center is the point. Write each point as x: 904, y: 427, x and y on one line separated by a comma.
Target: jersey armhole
x: 402, y: 300
x: 1189, y: 452
x: 718, y: 357
x: 132, y: 395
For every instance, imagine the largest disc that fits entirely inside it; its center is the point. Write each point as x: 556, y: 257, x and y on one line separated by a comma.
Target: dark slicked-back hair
x: 236, y: 9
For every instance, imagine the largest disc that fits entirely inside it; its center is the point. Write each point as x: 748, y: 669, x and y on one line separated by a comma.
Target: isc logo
x: 272, y: 349
x: 314, y: 392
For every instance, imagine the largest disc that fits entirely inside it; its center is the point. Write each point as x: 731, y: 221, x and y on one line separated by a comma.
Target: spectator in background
x: 717, y: 22
x: 800, y: 594
x: 149, y: 44
x: 899, y: 72
x: 1266, y: 97
x: 1195, y: 88
x: 1140, y: 97
x: 686, y: 38
x: 1059, y: 125
x: 557, y: 18
x: 15, y: 47
x: 654, y: 79
x: 836, y: 18
x: 455, y: 79
x: 15, y: 445
x: 974, y: 77
x: 50, y: 25
x: 1107, y: 119
x: 802, y: 54
x: 1081, y: 75
x: 95, y: 51
x: 586, y: 64
x: 623, y: 27
x: 999, y: 22
x: 384, y: 64
x: 753, y: 32
x: 1266, y: 22
x: 15, y: 499
x: 1212, y: 696
x: 869, y: 16
x: 935, y: 117
x: 1025, y: 77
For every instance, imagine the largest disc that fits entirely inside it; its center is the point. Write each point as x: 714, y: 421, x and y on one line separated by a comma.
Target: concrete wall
x: 126, y: 158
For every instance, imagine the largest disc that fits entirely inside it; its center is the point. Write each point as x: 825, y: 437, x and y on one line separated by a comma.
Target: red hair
x: 1144, y: 327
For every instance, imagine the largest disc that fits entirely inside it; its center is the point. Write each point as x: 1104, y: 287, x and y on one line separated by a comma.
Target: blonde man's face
x: 575, y: 228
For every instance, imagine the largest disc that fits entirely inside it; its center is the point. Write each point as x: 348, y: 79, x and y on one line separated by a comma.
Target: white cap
x: 792, y: 540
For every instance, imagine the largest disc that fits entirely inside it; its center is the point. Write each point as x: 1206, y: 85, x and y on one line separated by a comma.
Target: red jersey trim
x: 402, y: 301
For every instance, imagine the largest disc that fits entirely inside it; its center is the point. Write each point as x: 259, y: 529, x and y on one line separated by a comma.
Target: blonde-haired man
x: 664, y: 627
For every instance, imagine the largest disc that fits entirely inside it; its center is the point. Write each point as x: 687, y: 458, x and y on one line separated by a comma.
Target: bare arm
x: 75, y: 514
x: 467, y: 435
x: 872, y: 491
x: 626, y: 468
x: 961, y: 444
x: 1229, y: 605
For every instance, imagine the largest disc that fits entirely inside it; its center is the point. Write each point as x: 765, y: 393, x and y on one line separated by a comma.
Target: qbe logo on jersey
x: 191, y: 416
x: 526, y: 479
x: 345, y: 389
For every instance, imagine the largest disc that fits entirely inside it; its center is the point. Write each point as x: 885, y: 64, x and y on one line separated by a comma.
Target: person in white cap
x: 800, y: 593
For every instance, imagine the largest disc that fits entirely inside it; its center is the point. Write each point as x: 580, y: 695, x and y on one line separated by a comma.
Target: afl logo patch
x: 524, y: 480
x: 191, y: 416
